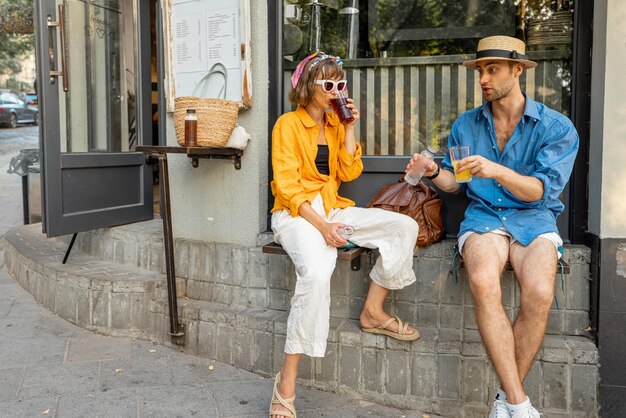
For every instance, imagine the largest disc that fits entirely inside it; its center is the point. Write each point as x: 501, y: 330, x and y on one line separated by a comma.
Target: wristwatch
x: 434, y: 175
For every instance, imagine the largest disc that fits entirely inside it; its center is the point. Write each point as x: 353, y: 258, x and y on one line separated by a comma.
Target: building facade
x: 403, y: 64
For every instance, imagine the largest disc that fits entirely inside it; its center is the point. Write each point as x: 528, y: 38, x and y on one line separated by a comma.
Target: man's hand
x: 526, y: 188
x: 479, y: 166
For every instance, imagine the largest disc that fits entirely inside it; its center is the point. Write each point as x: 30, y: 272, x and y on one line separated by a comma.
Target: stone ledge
x: 244, y: 276
x: 97, y: 295
x: 100, y: 242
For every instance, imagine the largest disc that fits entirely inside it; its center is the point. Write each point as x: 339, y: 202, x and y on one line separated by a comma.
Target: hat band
x: 500, y: 53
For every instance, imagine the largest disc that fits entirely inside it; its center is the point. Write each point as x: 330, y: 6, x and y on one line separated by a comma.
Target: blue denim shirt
x: 543, y: 145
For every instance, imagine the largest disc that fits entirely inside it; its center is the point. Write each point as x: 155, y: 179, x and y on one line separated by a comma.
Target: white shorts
x: 553, y: 237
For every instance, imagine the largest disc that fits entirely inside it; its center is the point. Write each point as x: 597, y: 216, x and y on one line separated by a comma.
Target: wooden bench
x: 353, y: 255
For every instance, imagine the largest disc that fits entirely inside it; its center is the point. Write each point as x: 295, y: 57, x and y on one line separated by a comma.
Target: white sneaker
x: 499, y: 410
x: 529, y: 412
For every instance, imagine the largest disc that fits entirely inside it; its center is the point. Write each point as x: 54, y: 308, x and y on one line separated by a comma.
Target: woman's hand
x: 354, y: 110
x: 330, y: 232
x: 350, y: 141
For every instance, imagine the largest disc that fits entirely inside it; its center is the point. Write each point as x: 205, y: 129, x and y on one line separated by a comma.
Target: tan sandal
x: 279, y: 400
x: 402, y: 333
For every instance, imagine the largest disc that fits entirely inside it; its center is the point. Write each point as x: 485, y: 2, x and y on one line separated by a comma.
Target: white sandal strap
x: 277, y: 399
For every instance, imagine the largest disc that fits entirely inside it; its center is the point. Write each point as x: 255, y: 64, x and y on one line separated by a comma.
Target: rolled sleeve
x: 546, y: 184
x: 295, y: 203
x: 350, y: 165
x: 556, y: 158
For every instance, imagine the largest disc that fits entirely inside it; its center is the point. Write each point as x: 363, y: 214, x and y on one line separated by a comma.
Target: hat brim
x: 472, y: 63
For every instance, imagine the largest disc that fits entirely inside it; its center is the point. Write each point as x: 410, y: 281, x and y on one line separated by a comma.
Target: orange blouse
x: 294, y: 148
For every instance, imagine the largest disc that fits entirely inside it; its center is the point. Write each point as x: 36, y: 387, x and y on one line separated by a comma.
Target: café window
x: 403, y: 59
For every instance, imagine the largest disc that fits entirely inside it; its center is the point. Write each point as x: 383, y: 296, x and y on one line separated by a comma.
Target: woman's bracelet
x: 434, y: 175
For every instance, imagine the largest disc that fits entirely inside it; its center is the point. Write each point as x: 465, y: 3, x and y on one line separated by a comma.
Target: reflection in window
x: 405, y: 67
x: 100, y: 108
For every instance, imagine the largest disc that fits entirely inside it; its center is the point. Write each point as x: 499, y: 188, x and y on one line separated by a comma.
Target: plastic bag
x: 20, y: 163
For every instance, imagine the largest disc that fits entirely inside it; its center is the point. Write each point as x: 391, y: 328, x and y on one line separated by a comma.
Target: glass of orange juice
x: 456, y: 155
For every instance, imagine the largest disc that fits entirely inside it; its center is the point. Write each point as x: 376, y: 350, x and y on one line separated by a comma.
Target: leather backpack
x: 421, y: 202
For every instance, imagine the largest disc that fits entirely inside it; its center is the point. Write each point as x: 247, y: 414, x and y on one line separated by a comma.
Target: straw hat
x: 501, y: 48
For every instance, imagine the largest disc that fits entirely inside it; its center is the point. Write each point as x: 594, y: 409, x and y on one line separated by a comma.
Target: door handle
x: 61, y: 25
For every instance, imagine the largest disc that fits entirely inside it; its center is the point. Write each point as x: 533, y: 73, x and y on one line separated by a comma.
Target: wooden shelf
x: 196, y: 153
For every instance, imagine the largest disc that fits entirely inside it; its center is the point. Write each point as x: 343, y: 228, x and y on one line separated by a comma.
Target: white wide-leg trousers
x: 392, y: 233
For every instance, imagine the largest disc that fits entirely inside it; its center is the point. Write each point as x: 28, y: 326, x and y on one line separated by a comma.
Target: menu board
x: 209, y: 49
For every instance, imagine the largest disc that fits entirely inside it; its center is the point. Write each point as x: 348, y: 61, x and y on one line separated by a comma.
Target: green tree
x: 16, y: 33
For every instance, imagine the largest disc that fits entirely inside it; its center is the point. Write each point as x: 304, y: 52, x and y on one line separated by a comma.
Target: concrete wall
x: 214, y: 202
x: 607, y: 218
x: 607, y: 168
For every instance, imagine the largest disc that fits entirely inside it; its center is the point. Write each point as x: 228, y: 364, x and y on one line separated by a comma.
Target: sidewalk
x: 51, y: 368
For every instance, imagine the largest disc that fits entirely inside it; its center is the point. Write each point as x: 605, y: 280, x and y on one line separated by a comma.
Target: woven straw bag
x: 216, y: 117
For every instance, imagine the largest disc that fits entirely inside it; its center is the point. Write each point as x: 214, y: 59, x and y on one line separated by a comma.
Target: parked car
x: 13, y: 110
x: 31, y: 99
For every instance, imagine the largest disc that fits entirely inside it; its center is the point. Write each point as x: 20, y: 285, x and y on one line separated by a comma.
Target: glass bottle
x: 414, y: 175
x: 191, y: 128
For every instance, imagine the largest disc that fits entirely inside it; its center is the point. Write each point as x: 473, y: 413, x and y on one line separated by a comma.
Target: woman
x: 312, y: 153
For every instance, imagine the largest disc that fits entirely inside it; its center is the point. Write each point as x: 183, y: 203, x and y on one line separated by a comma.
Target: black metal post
x: 176, y: 329
x: 25, y: 199
x: 69, y: 248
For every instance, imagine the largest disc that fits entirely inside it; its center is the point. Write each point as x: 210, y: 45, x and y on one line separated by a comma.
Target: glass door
x: 93, y: 61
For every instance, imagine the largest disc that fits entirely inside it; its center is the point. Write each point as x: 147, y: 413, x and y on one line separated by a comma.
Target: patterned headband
x: 316, y: 57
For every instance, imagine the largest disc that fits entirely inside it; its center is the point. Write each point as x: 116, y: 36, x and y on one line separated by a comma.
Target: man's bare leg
x: 534, y: 267
x: 485, y: 256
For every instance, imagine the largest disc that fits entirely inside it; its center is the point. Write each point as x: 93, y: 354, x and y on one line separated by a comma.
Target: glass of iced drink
x: 339, y: 105
x: 456, y: 155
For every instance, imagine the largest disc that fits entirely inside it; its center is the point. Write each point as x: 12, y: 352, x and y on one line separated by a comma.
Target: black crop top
x: 321, y: 161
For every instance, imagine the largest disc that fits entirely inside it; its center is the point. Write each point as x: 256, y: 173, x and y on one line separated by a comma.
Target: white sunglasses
x: 329, y: 85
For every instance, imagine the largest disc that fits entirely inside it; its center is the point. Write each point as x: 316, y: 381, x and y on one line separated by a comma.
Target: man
x: 522, y: 155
